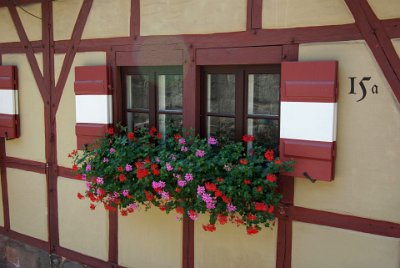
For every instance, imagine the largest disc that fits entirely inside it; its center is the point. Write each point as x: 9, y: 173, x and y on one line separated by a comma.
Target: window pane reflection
x: 137, y: 120
x: 221, y: 127
x: 169, y: 120
x: 221, y: 93
x: 263, y: 94
x: 137, y: 91
x: 170, y: 92
x: 265, y: 131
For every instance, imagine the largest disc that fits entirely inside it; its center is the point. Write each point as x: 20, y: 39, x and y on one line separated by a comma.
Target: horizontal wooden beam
x: 27, y: 165
x: 32, y: 241
x: 348, y: 222
x: 4, y: 3
x: 81, y: 258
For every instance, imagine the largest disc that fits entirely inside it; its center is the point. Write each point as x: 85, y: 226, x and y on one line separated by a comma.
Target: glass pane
x: 221, y: 127
x: 264, y: 131
x: 137, y: 91
x: 169, y: 120
x: 170, y: 92
x: 137, y: 120
x: 221, y: 93
x: 263, y: 94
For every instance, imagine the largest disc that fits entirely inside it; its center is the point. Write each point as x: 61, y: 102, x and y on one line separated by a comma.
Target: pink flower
x: 133, y: 206
x: 88, y: 185
x: 84, y: 178
x: 184, y: 149
x: 168, y: 167
x: 125, y: 193
x: 181, y: 183
x: 230, y: 207
x: 212, y: 141
x: 188, y: 177
x: 88, y: 167
x: 192, y: 215
x: 164, y: 195
x: 99, y: 180
x: 158, y: 184
x: 182, y: 141
x: 200, y: 153
x: 128, y: 167
x: 200, y: 190
x: 112, y: 150
x: 105, y: 160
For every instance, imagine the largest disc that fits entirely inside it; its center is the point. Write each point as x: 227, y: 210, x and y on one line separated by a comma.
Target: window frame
x: 153, y: 104
x: 241, y: 114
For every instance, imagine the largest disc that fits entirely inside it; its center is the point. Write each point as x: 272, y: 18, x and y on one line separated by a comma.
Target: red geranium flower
x: 278, y: 162
x: 222, y: 219
x: 124, y: 212
x: 74, y: 167
x: 122, y: 178
x: 243, y: 161
x: 252, y: 230
x: 252, y: 217
x: 92, y: 206
x: 226, y: 199
x: 209, y: 227
x: 149, y: 196
x: 259, y: 189
x: 120, y: 169
x: 247, y: 182
x: 162, y: 208
x: 271, y: 178
x: 180, y: 210
x: 177, y: 190
x: 155, y: 172
x: 131, y: 136
x: 248, y: 138
x: 269, y: 155
x: 110, y: 131
x: 177, y: 136
x: 261, y: 206
x: 210, y: 187
x: 239, y: 221
x: 80, y: 196
x: 152, y: 131
x: 218, y: 193
x: 142, y: 173
x: 219, y: 180
x: 271, y: 209
x: 78, y: 176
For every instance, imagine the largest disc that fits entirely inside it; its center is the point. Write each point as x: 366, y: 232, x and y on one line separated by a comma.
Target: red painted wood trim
x: 24, y: 164
x: 234, y: 56
x: 377, y: 40
x: 8, y: 77
x: 9, y: 126
x: 348, y: 222
x: 69, y: 57
x: 4, y: 3
x: 249, y: 12
x: 81, y: 258
x: 149, y: 57
x: 29, y: 51
x: 135, y: 18
x: 256, y: 16
x: 4, y: 187
x: 188, y: 244
x: 65, y: 172
x: 91, y: 80
x: 309, y: 81
x: 392, y: 27
x: 44, y: 245
x: 113, y: 237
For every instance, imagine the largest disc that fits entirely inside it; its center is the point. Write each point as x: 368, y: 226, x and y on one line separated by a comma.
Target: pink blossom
x: 184, y: 149
x: 125, y: 192
x: 200, y: 190
x: 84, y: 178
x: 212, y: 141
x: 88, y: 167
x: 128, y: 167
x: 88, y: 185
x: 200, y: 153
x: 210, y: 205
x: 192, y: 215
x: 157, y: 160
x: 133, y: 206
x: 182, y: 141
x: 158, y: 184
x: 164, y: 195
x: 188, y: 177
x: 177, y: 176
x: 230, y: 207
x: 112, y: 150
x: 105, y: 160
x: 99, y: 180
x: 169, y: 167
x: 181, y: 183
x: 116, y: 195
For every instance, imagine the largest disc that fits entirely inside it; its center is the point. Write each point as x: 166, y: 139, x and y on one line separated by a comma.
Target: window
x: 239, y: 100
x: 153, y: 96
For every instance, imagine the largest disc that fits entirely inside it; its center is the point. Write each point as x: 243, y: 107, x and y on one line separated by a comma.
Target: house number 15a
x: 374, y: 88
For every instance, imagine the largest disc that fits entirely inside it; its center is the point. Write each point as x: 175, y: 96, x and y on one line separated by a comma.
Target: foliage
x: 235, y: 182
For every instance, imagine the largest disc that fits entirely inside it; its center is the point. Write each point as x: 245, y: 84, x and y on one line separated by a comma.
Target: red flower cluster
x: 131, y: 136
x: 210, y: 186
x: 222, y: 219
x: 252, y: 230
x: 209, y: 227
x: 269, y: 155
x: 261, y: 206
x: 271, y: 178
x: 243, y: 161
x: 248, y: 138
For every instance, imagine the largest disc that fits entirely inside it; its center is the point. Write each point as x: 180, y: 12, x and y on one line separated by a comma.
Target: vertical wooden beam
x: 4, y: 187
x: 191, y: 120
x: 380, y: 44
x: 135, y: 19
x: 254, y: 15
x: 117, y: 115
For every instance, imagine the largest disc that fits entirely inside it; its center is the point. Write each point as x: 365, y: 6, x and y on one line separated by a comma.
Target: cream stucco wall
x: 31, y: 143
x: 289, y: 14
x: 108, y: 19
x: 231, y: 246
x: 150, y: 239
x: 169, y: 17
x: 81, y: 229
x: 320, y: 246
x: 368, y: 140
x: 65, y: 14
x: 66, y: 138
x: 27, y: 198
x: 396, y: 44
x: 8, y: 33
x: 32, y: 25
x: 387, y: 9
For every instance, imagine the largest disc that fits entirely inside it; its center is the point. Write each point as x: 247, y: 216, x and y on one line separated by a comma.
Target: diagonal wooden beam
x: 29, y: 52
x: 73, y: 48
x: 378, y: 41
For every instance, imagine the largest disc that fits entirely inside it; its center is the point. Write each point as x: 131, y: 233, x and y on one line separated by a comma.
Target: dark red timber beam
x: 135, y: 19
x: 29, y: 51
x: 4, y: 187
x: 72, y: 49
x: 347, y: 222
x: 4, y: 3
x: 254, y: 15
x: 378, y: 41
x: 392, y: 27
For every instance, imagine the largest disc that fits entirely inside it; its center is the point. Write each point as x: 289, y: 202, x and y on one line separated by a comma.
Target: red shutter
x: 308, y: 118
x: 93, y: 103
x: 9, y: 118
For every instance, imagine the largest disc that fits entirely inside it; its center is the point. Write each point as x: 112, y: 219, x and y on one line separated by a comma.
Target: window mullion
x: 239, y: 104
x: 153, y: 101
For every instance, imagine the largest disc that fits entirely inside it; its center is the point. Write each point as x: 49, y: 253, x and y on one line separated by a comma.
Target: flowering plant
x: 233, y: 182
